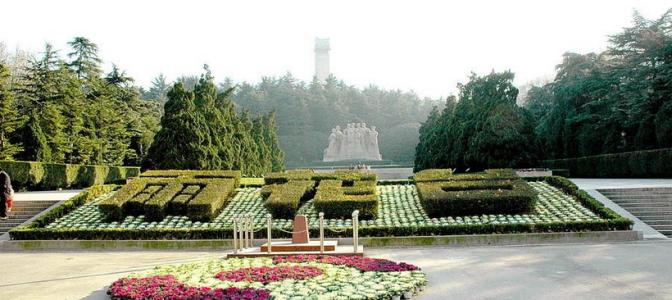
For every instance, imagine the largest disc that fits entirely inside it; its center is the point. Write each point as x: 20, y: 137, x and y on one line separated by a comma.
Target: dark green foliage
x: 200, y: 130
x: 616, y: 101
x: 74, y: 114
x: 485, y: 129
x: 283, y: 200
x: 636, y: 164
x: 460, y: 198
x: 337, y: 200
x: 10, y: 119
x: 51, y: 176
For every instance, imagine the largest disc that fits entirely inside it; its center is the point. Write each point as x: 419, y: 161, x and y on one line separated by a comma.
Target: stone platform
x: 287, y: 246
x: 346, y: 250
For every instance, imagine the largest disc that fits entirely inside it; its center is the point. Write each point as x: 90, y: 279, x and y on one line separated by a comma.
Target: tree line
x: 66, y: 110
x: 609, y: 102
x: 200, y: 129
x: 306, y: 113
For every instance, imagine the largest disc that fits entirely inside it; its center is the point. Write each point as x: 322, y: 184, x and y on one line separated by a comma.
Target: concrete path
x: 639, y: 270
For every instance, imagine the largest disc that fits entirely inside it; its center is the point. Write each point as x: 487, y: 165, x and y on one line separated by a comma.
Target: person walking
x: 6, y: 195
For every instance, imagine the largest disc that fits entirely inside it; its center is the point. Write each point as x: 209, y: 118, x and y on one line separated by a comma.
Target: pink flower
x: 269, y: 274
x: 166, y: 287
x: 364, y: 264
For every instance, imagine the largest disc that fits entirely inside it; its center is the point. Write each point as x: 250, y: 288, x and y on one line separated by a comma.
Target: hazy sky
x: 426, y: 46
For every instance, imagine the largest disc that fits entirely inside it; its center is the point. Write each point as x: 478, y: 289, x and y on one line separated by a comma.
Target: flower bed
x: 166, y: 287
x: 560, y: 207
x: 305, y: 277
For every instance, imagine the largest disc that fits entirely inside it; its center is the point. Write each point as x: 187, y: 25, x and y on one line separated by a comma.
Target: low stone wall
x: 226, y: 245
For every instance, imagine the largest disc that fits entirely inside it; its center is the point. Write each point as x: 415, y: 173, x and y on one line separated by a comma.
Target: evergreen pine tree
x: 10, y: 119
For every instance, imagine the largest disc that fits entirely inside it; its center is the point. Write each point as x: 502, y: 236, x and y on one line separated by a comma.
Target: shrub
x: 155, y: 208
x: 432, y: 175
x: 178, y: 192
x: 338, y: 201
x: 306, y: 174
x: 635, y: 164
x: 284, y: 177
x: 50, y: 176
x: 113, y: 207
x: 440, y: 199
x: 211, y: 199
x: 233, y: 174
x: 283, y: 200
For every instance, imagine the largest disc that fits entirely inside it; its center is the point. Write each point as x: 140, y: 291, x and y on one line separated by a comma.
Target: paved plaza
x: 640, y: 270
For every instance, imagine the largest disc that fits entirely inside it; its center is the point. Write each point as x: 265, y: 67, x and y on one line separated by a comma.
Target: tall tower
x: 322, y: 59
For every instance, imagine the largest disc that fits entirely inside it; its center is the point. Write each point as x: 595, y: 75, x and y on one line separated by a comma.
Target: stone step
x: 662, y: 227
x: 653, y: 222
x: 19, y: 204
x: 10, y: 225
x: 666, y: 232
x: 15, y: 215
x: 639, y: 198
x: 658, y: 189
x: 653, y: 218
x: 651, y: 211
x: 645, y: 204
x: 28, y: 208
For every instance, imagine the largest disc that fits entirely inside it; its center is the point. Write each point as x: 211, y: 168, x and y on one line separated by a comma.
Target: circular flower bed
x: 278, y: 278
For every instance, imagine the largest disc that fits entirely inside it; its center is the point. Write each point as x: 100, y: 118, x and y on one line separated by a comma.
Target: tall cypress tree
x: 10, y: 119
x: 176, y: 145
x: 272, y: 141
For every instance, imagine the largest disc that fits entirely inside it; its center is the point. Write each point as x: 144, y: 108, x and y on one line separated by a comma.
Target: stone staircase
x: 651, y: 205
x: 22, y: 212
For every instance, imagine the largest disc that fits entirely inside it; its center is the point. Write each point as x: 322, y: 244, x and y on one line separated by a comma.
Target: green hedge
x: 212, y: 198
x: 484, y: 197
x: 155, y: 208
x: 307, y: 174
x: 24, y: 233
x: 338, y: 201
x: 432, y: 175
x: 154, y: 196
x: 197, y: 174
x: 636, y: 164
x: 50, y: 176
x: 283, y: 200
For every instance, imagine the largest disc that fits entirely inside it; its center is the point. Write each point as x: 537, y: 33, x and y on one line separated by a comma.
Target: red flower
x: 166, y: 287
x: 269, y: 274
x: 361, y: 263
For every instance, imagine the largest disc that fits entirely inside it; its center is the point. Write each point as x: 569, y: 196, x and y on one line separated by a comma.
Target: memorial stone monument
x: 354, y: 142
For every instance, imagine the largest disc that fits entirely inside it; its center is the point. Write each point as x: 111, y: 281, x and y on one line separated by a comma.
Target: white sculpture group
x: 354, y: 142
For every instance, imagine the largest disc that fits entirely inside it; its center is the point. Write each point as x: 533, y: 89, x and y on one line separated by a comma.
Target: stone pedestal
x: 300, y: 232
